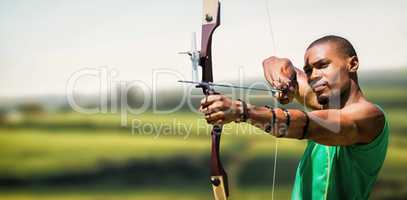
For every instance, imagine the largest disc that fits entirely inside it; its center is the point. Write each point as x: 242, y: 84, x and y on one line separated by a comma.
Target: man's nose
x: 315, y: 75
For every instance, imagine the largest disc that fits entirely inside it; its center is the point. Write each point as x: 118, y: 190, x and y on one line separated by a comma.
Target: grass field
x: 77, y: 156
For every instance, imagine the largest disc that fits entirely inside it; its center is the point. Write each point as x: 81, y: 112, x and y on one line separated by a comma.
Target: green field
x: 77, y: 156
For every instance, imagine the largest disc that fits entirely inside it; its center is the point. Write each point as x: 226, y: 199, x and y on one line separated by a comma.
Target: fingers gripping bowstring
x: 269, y: 19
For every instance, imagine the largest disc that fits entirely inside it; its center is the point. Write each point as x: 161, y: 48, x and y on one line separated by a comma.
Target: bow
x: 203, y: 58
x: 211, y: 20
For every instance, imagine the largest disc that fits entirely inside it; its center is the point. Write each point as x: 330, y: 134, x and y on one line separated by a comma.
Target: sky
x: 43, y: 44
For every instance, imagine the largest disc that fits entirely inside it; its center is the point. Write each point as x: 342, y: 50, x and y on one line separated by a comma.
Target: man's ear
x: 353, y: 64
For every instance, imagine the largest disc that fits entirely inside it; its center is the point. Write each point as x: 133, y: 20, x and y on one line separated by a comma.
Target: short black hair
x: 343, y: 44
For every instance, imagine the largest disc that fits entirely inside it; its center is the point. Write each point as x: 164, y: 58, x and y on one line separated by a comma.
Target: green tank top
x: 340, y: 172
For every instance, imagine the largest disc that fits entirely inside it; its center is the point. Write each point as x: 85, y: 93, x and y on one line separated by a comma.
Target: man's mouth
x: 319, y: 87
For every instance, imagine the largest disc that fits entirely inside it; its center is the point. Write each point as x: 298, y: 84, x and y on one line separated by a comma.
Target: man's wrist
x: 242, y: 111
x: 295, y: 82
x: 238, y: 110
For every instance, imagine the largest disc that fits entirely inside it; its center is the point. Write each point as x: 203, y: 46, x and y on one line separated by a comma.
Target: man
x: 347, y: 135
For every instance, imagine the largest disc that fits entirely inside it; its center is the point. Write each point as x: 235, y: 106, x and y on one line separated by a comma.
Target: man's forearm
x: 262, y: 117
x: 337, y: 130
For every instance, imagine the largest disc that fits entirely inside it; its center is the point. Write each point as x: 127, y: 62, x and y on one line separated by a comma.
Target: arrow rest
x: 193, y: 53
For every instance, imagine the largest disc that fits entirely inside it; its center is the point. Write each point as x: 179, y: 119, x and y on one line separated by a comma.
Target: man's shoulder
x: 369, y: 118
x: 364, y: 110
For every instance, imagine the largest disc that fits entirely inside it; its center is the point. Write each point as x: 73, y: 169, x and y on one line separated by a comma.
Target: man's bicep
x: 369, y: 120
x: 332, y: 127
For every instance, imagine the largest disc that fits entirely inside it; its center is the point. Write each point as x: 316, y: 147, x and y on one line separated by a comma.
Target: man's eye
x: 325, y: 65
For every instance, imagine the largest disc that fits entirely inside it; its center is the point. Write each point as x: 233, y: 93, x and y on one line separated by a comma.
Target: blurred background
x: 90, y: 107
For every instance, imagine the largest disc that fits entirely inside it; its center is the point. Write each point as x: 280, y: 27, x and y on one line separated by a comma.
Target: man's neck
x: 352, y: 95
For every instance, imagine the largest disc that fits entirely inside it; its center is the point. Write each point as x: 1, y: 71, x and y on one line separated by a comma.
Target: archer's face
x: 327, y: 72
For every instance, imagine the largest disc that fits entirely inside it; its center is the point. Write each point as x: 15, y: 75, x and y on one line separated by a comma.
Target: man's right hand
x: 281, y: 74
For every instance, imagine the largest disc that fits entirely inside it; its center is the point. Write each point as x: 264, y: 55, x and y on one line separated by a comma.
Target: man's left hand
x: 219, y: 109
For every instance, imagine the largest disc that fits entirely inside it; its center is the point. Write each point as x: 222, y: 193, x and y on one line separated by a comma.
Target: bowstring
x: 271, y: 32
